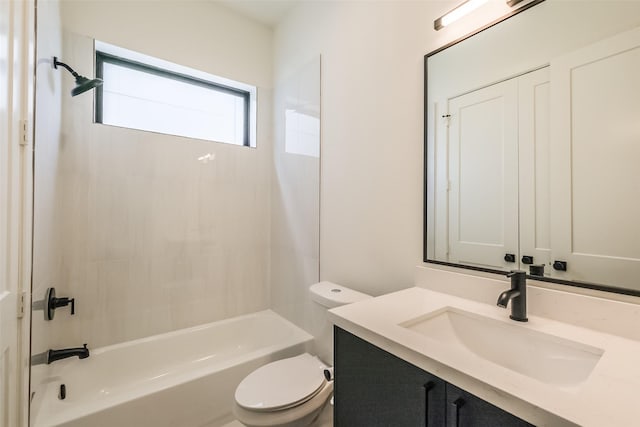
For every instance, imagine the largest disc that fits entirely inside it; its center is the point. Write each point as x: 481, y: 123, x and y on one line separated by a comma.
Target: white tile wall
x: 146, y: 237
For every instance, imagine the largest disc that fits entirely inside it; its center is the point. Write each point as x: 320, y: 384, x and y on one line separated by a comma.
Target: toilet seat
x: 282, y: 384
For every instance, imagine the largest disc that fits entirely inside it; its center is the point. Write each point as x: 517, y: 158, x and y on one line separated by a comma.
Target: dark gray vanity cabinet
x: 374, y: 388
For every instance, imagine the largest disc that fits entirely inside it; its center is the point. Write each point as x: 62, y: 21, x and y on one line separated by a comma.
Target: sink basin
x: 541, y: 356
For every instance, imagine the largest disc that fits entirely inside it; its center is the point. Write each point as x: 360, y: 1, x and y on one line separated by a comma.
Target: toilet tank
x: 327, y: 295
x: 330, y: 295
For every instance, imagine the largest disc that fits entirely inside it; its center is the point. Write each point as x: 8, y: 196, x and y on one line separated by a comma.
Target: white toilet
x: 292, y: 392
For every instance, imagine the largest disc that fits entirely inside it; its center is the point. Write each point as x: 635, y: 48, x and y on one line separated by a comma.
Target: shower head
x: 83, y: 84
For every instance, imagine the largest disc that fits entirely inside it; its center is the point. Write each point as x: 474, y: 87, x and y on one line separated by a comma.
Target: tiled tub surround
x: 145, y: 236
x: 184, y: 378
x: 607, y: 396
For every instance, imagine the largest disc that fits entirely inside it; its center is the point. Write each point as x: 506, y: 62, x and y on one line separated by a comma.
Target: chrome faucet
x: 517, y: 294
x: 53, y: 355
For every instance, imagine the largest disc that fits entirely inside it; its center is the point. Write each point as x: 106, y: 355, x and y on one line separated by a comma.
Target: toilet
x: 293, y: 392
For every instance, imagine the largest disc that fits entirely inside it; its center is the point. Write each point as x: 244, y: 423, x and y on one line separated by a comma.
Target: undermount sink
x: 545, y: 357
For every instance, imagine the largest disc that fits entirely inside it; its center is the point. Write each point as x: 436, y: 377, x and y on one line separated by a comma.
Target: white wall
x: 371, y: 227
x: 371, y: 162
x: 372, y: 133
x: 197, y: 34
x: 149, y: 239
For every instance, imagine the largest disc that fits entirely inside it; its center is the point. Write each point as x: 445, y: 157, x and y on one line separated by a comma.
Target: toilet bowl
x: 293, y: 392
x: 289, y: 392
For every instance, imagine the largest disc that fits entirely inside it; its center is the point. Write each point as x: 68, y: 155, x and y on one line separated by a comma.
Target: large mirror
x: 532, y: 146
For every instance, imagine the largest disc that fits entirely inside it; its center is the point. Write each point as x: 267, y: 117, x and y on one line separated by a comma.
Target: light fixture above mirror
x: 458, y: 12
x: 468, y: 6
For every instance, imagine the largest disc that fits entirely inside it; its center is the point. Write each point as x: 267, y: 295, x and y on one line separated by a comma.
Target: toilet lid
x: 281, y: 384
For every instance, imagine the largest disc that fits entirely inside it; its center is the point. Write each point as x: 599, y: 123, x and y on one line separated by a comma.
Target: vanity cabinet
x: 375, y: 388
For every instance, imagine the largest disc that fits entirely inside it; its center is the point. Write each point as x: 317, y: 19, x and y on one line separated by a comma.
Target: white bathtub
x: 185, y: 378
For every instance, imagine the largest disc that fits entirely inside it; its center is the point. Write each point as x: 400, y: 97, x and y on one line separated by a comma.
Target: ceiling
x: 269, y: 12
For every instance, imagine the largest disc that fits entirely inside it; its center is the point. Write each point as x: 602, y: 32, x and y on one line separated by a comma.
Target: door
x: 8, y: 250
x: 594, y: 162
x: 483, y: 176
x: 14, y: 206
x: 533, y: 150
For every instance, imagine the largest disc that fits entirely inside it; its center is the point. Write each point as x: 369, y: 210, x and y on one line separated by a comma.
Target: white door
x: 14, y: 204
x: 8, y: 301
x: 483, y: 176
x: 533, y: 150
x: 595, y: 130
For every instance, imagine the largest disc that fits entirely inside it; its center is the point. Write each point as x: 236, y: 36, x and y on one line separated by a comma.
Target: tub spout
x: 53, y: 355
x: 81, y: 352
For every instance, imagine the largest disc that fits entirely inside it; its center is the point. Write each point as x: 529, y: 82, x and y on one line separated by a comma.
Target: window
x: 145, y: 93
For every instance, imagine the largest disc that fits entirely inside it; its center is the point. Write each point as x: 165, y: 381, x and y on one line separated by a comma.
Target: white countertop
x: 610, y: 396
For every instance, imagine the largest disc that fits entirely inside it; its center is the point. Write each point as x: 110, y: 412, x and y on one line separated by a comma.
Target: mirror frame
x: 425, y: 258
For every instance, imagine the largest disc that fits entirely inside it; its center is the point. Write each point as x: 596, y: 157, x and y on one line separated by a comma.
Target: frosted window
x: 144, y: 97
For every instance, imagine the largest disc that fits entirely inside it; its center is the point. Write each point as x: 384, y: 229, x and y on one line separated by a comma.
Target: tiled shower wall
x: 147, y: 238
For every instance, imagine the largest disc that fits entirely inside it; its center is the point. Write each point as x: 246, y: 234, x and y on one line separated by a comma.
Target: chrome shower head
x: 83, y: 84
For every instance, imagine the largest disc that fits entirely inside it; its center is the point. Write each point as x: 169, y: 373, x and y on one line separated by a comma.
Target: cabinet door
x: 466, y: 410
x: 595, y: 131
x: 373, y: 388
x: 483, y: 174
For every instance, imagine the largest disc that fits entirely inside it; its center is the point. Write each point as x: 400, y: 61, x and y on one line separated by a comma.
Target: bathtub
x: 185, y: 378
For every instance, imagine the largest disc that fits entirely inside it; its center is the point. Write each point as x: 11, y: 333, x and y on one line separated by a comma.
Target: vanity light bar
x: 458, y: 12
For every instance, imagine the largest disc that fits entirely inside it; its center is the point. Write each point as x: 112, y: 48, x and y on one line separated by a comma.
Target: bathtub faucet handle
x: 52, y: 302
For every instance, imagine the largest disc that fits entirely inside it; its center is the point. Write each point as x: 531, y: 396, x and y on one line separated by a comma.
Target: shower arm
x: 83, y: 84
x: 56, y: 63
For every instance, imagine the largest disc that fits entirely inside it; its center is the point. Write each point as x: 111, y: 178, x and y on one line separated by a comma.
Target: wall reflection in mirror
x: 532, y: 144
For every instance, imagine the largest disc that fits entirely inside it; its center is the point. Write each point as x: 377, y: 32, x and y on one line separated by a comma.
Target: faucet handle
x: 51, y: 303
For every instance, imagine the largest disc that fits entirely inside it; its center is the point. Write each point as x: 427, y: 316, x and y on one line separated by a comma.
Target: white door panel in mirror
x: 596, y: 206
x: 483, y: 167
x: 491, y: 133
x: 533, y: 175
